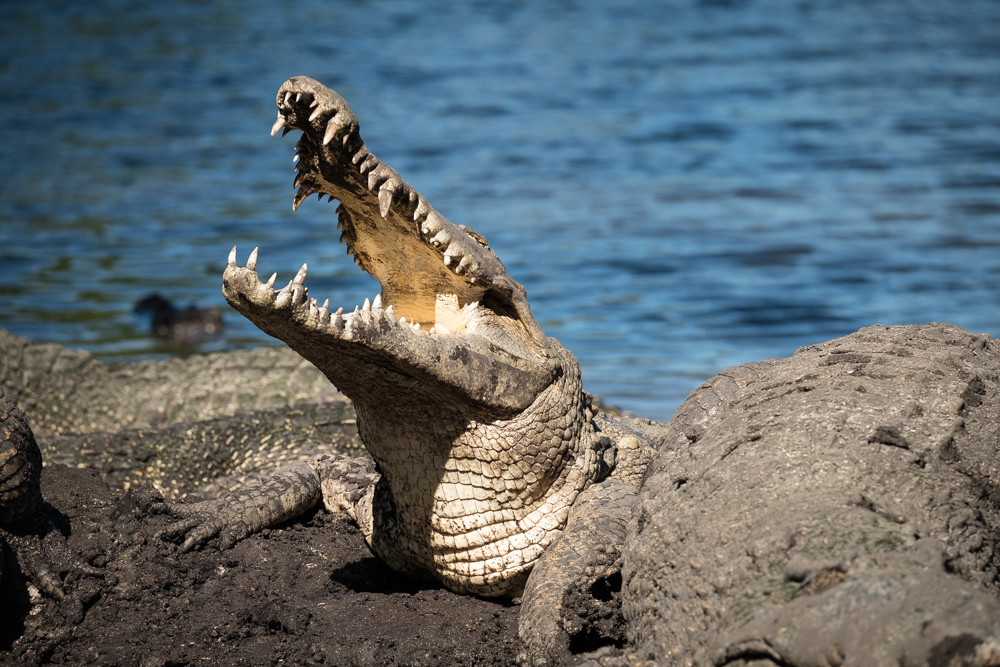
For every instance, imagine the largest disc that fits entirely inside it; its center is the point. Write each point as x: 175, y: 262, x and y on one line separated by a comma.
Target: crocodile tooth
x: 423, y: 208
x: 357, y: 260
x: 323, y: 316
x: 464, y: 264
x: 302, y: 194
x: 299, y: 179
x: 284, y: 296
x: 299, y: 293
x: 367, y: 307
x: 377, y: 176
x: 278, y: 124
x: 338, y: 318
x: 298, y: 97
x: 370, y: 163
x: 315, y: 114
x: 288, y: 96
x: 295, y: 159
x: 390, y: 311
x: 384, y: 201
x: 402, y: 320
x: 362, y: 154
x: 326, y: 305
x: 300, y: 277
x: 377, y: 303
x: 252, y: 260
x: 331, y: 132
x: 448, y: 259
x: 314, y: 103
x: 270, y: 281
x: 432, y: 330
x: 232, y: 257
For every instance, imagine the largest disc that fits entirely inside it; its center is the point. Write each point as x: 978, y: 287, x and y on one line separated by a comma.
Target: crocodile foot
x: 345, y: 483
x: 284, y: 495
x: 571, y: 602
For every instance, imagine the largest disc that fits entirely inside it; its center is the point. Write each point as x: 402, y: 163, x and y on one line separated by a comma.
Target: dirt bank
x: 310, y: 593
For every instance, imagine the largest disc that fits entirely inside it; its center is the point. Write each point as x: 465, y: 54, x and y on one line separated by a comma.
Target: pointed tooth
x: 421, y: 211
x: 315, y: 114
x: 338, y: 318
x: 284, y: 296
x: 402, y: 320
x: 331, y: 132
x: 367, y: 306
x: 326, y: 304
x: 360, y: 155
x: 447, y: 260
x: 270, y: 281
x: 370, y: 163
x: 232, y: 257
x: 432, y: 330
x: 300, y: 277
x: 252, y: 260
x: 377, y: 303
x: 288, y: 97
x: 314, y: 103
x: 295, y: 159
x: 390, y: 311
x: 384, y: 201
x: 278, y: 124
x: 298, y: 97
x: 301, y: 195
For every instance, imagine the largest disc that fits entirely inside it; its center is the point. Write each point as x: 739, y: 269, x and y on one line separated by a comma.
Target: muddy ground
x: 308, y: 593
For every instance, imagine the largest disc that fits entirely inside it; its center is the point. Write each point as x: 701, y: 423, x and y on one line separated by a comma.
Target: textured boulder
x: 835, y: 507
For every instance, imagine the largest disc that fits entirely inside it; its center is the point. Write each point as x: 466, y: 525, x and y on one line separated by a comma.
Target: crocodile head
x: 445, y: 294
x: 478, y: 422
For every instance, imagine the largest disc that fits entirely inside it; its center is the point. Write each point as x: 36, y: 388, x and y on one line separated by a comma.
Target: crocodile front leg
x: 344, y: 483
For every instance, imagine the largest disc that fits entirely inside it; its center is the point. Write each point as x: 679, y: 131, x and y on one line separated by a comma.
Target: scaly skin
x: 482, y: 434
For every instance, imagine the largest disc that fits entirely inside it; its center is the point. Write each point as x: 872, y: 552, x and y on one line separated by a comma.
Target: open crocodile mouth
x: 436, y: 277
x: 441, y: 282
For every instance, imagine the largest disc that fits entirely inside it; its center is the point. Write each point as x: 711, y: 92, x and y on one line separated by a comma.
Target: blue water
x: 681, y: 186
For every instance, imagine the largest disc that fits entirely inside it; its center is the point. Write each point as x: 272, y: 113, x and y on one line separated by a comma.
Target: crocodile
x: 485, y: 448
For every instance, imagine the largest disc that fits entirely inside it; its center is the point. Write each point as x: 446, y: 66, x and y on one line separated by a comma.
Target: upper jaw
x: 429, y: 268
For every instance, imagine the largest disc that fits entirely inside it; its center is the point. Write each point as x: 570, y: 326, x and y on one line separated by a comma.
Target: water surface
x: 680, y: 186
